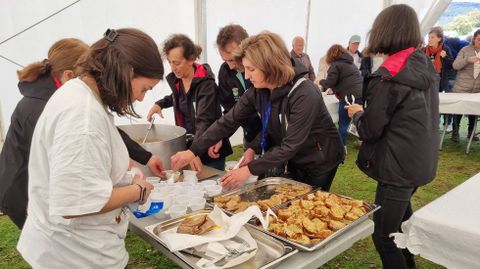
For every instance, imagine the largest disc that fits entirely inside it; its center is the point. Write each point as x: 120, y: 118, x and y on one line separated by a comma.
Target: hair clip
x: 111, y: 35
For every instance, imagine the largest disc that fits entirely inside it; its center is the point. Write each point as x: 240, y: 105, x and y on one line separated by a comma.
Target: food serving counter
x: 300, y: 259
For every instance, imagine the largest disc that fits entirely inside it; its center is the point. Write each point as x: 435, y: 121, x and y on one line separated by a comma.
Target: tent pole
x: 201, y: 27
x: 307, y: 26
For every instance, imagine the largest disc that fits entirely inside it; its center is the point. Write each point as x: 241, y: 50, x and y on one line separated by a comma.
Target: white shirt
x: 76, y: 158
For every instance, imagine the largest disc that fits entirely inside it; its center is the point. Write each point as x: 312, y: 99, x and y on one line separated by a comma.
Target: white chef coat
x: 77, y: 157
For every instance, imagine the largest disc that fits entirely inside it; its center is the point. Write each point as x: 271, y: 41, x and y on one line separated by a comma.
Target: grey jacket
x: 465, y: 81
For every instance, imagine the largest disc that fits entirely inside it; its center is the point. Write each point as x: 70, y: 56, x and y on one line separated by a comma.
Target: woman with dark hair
x: 467, y: 65
x: 346, y: 82
x: 298, y: 135
x: 194, y: 97
x: 78, y: 180
x: 398, y: 127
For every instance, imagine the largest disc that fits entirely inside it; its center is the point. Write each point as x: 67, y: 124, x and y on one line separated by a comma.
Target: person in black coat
x: 344, y: 78
x: 232, y: 83
x: 38, y: 82
x: 398, y: 127
x: 194, y: 97
x: 298, y: 134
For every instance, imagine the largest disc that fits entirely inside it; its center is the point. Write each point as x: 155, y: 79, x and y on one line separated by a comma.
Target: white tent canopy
x: 30, y: 27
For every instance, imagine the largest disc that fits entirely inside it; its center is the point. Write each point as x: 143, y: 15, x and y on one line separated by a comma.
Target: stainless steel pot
x: 163, y: 141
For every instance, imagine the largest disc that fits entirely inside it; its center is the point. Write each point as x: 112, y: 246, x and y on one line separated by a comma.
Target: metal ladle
x: 148, y: 129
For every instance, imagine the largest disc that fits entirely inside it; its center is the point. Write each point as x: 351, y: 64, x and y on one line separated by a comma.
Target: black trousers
x: 458, y: 118
x: 395, y: 209
x: 314, y: 177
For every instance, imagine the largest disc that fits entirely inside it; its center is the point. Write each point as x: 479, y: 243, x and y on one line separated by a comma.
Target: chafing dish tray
x: 268, y: 192
x: 270, y: 251
x: 315, y: 219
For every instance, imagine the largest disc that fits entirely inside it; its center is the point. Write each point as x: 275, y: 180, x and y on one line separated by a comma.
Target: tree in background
x: 464, y: 24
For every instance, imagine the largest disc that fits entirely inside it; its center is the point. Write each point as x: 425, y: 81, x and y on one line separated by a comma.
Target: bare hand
x: 180, y: 159
x: 155, y: 109
x: 196, y: 164
x: 213, y: 150
x: 156, y: 166
x: 353, y: 109
x: 443, y: 54
x: 141, y: 180
x: 329, y: 91
x: 235, y: 177
x: 248, y: 156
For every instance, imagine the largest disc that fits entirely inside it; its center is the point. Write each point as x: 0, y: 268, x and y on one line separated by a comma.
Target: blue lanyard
x: 265, y: 118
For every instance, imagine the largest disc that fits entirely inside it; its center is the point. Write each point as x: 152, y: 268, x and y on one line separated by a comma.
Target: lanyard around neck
x: 265, y: 118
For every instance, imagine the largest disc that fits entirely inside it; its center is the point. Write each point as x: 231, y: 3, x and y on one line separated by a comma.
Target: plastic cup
x: 181, y: 199
x: 230, y: 165
x: 208, y: 182
x: 153, y: 180
x: 190, y: 176
x: 196, y: 203
x: 172, y: 176
x: 176, y: 211
x: 213, y: 190
x: 194, y: 193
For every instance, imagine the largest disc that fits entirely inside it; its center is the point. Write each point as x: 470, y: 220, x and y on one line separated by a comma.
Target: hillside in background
x: 456, y: 9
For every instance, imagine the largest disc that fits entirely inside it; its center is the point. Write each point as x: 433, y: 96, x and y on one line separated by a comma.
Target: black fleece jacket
x: 311, y: 140
x: 399, y: 126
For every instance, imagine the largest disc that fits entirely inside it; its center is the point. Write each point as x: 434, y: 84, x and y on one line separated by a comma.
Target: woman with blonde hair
x: 37, y: 82
x: 298, y: 136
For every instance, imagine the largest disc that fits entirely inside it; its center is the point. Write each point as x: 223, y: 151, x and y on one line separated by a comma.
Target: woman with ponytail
x: 37, y: 82
x: 79, y: 186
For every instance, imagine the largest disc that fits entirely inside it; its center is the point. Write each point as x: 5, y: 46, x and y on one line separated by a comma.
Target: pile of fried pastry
x: 283, y: 192
x: 196, y: 225
x: 315, y: 216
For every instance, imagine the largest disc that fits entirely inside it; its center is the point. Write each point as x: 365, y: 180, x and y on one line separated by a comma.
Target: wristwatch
x: 143, y: 192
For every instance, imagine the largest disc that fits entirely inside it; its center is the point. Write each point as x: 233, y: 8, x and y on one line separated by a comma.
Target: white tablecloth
x: 460, y: 103
x: 447, y: 231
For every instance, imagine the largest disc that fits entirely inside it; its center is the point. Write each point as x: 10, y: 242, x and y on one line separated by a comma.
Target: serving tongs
x: 148, y: 129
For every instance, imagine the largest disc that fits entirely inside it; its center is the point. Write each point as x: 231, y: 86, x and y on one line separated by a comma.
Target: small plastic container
x: 153, y: 180
x: 176, y: 211
x: 193, y: 193
x: 213, y: 190
x: 181, y: 199
x: 208, y: 182
x: 196, y: 203
x: 172, y: 176
x: 190, y: 176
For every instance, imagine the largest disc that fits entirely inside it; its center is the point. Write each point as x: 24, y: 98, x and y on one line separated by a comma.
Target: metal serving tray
x: 270, y: 251
x: 371, y: 208
x: 260, y: 190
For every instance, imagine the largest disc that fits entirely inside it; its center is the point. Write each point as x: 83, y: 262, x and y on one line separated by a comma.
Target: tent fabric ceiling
x: 45, y: 22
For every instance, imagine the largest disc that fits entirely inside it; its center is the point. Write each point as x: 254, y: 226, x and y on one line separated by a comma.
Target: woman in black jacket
x: 298, y: 134
x: 399, y: 126
x: 346, y: 81
x: 194, y: 96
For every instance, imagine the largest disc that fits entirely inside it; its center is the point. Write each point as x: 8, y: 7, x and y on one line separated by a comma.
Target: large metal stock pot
x: 163, y: 141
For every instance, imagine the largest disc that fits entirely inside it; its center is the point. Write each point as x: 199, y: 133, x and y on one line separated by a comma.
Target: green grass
x: 454, y: 167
